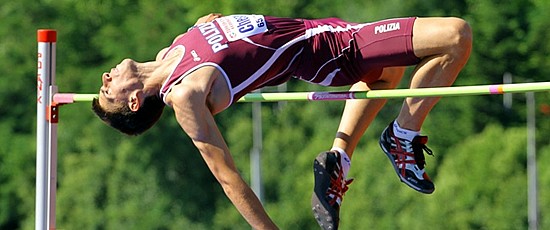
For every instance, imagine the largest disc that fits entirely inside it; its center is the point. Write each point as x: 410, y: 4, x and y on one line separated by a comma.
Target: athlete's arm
x: 194, y: 108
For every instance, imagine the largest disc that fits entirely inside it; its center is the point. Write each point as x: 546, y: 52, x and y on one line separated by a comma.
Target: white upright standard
x: 46, y: 132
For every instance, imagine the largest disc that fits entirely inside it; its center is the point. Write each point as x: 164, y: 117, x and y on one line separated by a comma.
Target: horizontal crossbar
x: 65, y: 98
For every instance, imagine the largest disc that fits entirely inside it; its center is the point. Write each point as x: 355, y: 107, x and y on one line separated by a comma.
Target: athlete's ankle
x: 345, y: 161
x: 404, y: 133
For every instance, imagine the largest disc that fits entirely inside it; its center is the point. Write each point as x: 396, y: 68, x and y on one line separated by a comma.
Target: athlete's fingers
x: 208, y: 18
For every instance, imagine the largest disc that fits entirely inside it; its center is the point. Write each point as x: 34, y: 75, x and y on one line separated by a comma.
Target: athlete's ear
x: 134, y: 100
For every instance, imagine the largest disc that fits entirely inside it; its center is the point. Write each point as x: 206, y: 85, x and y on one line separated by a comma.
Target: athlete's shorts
x: 356, y: 52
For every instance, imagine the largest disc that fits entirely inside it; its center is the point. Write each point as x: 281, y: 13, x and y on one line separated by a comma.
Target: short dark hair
x: 129, y: 122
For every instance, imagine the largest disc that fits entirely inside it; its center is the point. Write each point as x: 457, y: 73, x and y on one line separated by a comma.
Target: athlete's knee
x: 450, y: 37
x: 455, y: 39
x: 460, y: 36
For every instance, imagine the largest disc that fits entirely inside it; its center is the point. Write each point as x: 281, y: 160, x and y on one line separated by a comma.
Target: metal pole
x: 255, y: 154
x: 533, y: 209
x: 507, y: 98
x: 52, y: 117
x: 45, y: 78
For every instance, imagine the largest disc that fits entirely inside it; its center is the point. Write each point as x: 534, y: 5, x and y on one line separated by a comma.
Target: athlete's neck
x: 153, y: 74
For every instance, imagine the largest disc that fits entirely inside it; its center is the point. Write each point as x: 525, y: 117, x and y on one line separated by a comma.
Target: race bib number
x: 237, y: 27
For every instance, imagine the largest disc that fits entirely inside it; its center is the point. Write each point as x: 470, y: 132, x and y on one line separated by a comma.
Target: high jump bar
x: 67, y: 98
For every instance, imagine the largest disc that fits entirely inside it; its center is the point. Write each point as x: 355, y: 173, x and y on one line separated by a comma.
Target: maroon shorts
x: 357, y: 52
x: 384, y: 44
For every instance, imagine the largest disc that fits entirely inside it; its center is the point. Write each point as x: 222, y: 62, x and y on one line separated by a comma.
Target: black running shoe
x: 407, y: 158
x: 330, y: 186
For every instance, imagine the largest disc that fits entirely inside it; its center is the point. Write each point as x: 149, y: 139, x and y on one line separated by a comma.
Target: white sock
x: 344, y: 160
x: 404, y: 133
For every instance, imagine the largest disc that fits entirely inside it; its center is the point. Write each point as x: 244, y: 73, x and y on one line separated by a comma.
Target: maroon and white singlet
x: 252, y: 51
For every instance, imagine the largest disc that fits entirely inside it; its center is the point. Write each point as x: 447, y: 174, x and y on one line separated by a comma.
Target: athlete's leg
x: 330, y: 168
x: 358, y: 114
x: 444, y: 45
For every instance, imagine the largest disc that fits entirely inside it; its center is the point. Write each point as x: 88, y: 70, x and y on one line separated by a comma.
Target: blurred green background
x: 158, y: 180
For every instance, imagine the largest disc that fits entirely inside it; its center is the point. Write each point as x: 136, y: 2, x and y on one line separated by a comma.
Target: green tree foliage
x: 487, y: 196
x: 158, y: 180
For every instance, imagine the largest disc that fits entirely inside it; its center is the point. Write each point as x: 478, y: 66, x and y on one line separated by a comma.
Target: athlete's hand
x: 208, y: 18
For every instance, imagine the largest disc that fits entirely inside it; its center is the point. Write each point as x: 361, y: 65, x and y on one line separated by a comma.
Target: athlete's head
x: 121, y: 102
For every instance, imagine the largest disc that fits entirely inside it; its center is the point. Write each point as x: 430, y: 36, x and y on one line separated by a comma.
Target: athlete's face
x: 118, y: 84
